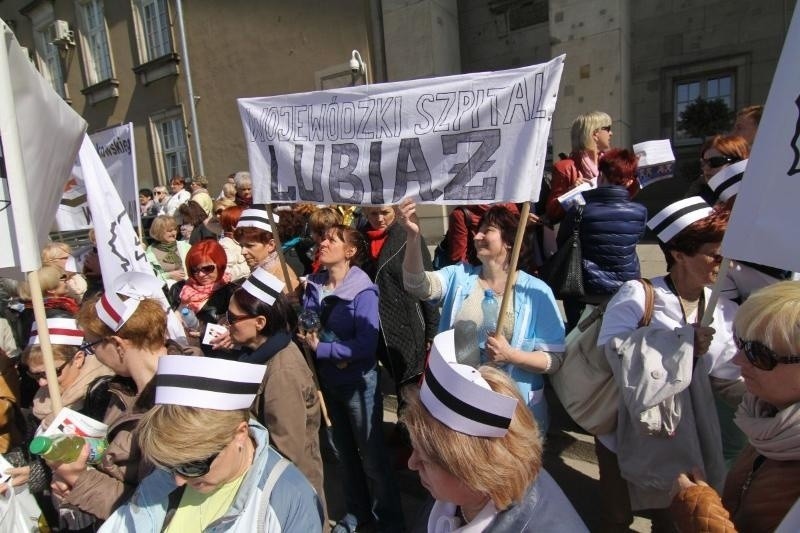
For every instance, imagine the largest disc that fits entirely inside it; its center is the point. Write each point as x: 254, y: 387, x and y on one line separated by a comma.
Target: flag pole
x: 708, y: 312
x: 29, y: 258
x: 508, y: 296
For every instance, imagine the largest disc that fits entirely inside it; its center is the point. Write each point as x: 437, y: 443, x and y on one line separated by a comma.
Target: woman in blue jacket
x: 611, y: 226
x: 346, y: 301
x: 532, y: 340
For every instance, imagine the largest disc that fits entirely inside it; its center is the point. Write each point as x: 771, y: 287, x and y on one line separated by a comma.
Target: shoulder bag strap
x: 649, y: 302
x: 266, y: 493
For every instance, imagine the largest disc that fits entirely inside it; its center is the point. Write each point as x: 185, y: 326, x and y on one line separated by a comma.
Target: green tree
x: 703, y: 118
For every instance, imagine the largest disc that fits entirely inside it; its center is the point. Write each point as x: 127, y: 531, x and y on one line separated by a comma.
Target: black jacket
x: 406, y: 322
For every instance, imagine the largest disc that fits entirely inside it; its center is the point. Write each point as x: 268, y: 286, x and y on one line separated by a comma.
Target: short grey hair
x: 242, y: 178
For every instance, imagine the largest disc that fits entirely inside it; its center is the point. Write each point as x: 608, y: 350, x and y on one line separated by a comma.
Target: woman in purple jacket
x: 346, y: 302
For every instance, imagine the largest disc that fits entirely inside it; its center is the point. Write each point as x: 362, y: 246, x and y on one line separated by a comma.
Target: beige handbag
x: 585, y: 384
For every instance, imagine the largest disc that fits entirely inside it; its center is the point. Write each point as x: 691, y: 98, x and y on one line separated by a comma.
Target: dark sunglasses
x: 762, y: 356
x: 207, y: 269
x: 718, y: 161
x: 36, y: 376
x: 194, y: 469
x: 88, y: 347
x: 233, y: 319
x: 606, y: 128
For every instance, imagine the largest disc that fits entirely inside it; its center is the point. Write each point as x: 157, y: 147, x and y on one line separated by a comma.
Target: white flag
x: 469, y: 139
x: 763, y: 226
x: 41, y: 135
x: 118, y: 245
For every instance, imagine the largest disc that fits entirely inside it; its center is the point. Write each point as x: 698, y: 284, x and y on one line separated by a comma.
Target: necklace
x: 687, y: 306
x: 485, y: 284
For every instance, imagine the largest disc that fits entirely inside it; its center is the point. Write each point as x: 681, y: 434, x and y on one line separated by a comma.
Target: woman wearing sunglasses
x: 762, y: 485
x: 216, y: 470
x: 82, y: 380
x: 207, y: 289
x: 591, y: 136
x: 667, y: 421
x: 716, y: 154
x: 261, y: 322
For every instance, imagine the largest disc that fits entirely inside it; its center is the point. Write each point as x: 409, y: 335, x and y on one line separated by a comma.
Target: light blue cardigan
x: 537, y: 325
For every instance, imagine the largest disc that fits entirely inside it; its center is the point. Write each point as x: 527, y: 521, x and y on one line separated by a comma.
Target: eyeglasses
x: 233, y: 319
x: 205, y: 269
x: 762, y: 356
x: 606, y: 128
x: 193, y: 469
x: 718, y: 160
x: 88, y: 347
x: 36, y: 376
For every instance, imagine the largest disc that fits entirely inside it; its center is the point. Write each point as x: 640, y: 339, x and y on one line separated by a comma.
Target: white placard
x: 656, y: 161
x: 467, y: 139
x: 766, y: 212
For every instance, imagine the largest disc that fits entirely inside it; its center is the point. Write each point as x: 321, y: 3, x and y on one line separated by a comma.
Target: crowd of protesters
x: 292, y: 316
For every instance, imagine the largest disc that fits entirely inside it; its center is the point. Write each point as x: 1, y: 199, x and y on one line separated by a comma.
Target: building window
x: 96, y: 52
x: 170, y: 141
x: 49, y: 60
x: 711, y: 87
x: 154, y: 31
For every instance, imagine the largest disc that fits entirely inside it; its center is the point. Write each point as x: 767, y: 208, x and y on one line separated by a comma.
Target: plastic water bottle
x: 190, y: 320
x: 491, y: 309
x: 67, y: 448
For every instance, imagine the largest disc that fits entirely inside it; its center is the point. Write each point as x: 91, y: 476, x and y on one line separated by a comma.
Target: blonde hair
x: 61, y: 352
x: 502, y: 467
x: 52, y: 250
x: 161, y: 225
x: 146, y: 329
x: 223, y: 203
x: 771, y: 316
x: 229, y: 191
x: 49, y: 278
x: 170, y: 435
x: 584, y: 127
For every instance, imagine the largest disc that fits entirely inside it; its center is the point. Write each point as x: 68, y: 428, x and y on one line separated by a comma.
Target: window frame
x: 146, y: 55
x: 160, y: 151
x: 42, y: 17
x: 92, y: 68
x: 703, y: 81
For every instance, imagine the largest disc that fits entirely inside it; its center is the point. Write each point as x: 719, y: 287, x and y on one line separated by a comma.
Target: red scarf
x: 195, y: 296
x: 65, y: 303
x: 376, y: 239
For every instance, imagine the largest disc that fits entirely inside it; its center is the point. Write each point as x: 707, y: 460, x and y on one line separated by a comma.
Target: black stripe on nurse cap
x: 207, y: 382
x: 263, y: 286
x: 675, y: 217
x: 725, y: 183
x: 457, y: 395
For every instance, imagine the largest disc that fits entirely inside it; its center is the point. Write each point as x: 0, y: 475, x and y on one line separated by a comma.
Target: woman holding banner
x: 532, y: 341
x: 667, y: 422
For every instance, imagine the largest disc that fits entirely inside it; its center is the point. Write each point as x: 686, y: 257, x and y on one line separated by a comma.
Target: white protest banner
x: 767, y: 209
x: 118, y: 153
x: 41, y: 135
x: 117, y: 243
x: 656, y: 161
x: 466, y: 139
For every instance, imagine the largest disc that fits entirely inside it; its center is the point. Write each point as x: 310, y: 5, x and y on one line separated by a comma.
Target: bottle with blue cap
x: 491, y: 309
x: 190, y: 320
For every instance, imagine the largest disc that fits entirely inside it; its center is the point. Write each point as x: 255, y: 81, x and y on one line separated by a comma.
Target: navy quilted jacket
x: 611, y: 227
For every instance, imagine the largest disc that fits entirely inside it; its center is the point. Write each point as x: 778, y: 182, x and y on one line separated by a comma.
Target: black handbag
x: 563, y: 272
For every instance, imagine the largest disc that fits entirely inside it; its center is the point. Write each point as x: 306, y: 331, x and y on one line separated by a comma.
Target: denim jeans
x: 370, y: 490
